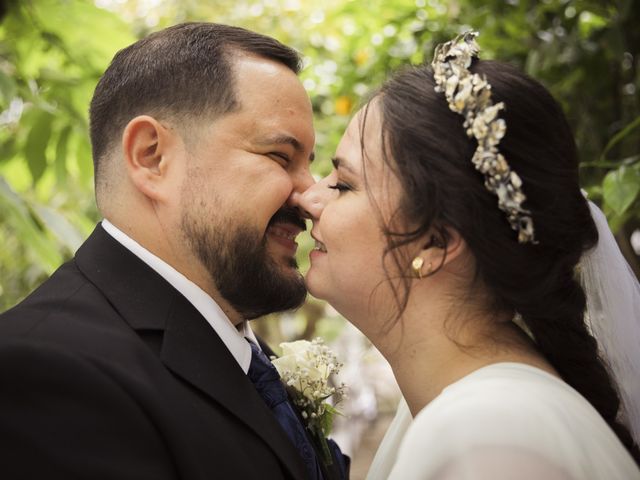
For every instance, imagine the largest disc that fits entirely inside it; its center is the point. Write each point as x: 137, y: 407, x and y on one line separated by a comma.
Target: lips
x: 288, y: 216
x: 287, y: 231
x: 285, y: 234
x: 319, y: 246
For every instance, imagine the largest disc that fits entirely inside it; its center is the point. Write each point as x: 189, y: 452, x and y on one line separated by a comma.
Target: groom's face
x: 245, y: 172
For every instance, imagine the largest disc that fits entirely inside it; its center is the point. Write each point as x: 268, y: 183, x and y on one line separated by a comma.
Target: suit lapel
x: 192, y: 352
x: 190, y: 349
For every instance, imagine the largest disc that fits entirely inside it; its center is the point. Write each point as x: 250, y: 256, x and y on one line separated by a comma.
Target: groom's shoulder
x: 68, y: 315
x: 54, y: 295
x: 65, y: 301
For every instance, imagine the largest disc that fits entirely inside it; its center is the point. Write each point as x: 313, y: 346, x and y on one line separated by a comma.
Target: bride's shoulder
x: 514, y: 413
x: 505, y: 399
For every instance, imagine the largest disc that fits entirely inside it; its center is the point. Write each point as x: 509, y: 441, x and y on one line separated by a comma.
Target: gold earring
x: 416, y: 265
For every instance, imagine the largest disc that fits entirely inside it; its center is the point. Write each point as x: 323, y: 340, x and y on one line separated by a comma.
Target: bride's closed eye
x: 341, y: 187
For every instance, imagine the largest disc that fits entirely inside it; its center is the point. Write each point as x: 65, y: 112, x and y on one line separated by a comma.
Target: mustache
x: 288, y: 215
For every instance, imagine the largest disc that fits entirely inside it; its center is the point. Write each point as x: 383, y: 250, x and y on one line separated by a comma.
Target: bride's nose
x: 313, y: 200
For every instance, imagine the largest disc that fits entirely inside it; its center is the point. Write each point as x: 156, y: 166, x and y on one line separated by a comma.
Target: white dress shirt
x: 232, y: 337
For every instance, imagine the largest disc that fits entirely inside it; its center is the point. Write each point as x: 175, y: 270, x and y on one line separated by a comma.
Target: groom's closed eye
x: 284, y: 140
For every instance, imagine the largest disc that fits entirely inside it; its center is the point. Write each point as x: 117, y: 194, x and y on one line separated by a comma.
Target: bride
x: 453, y: 233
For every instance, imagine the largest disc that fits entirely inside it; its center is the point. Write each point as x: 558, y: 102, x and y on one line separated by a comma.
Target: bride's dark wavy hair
x: 424, y: 144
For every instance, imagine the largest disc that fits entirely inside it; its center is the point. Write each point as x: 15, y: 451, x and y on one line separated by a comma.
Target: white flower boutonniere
x: 306, y: 367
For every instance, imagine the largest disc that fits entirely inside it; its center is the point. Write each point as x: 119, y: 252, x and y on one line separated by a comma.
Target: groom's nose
x: 312, y: 201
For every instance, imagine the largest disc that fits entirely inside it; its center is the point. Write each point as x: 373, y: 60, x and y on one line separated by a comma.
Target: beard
x: 237, y: 258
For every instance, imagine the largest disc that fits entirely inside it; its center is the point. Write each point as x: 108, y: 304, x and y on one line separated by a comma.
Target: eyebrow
x: 341, y: 163
x: 282, y: 139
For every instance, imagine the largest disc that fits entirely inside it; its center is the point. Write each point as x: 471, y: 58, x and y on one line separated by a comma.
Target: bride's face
x: 347, y: 211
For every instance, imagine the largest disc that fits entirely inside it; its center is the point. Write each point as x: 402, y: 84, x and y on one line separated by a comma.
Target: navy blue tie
x: 267, y: 381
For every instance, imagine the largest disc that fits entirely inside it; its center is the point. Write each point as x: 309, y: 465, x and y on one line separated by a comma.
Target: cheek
x: 355, y: 248
x: 271, y: 196
x: 273, y: 186
x: 280, y: 189
x: 262, y: 193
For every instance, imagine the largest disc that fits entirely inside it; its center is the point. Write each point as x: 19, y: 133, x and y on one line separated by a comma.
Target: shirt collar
x: 232, y: 337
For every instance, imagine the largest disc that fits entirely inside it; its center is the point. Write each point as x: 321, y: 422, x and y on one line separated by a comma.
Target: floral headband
x: 470, y: 95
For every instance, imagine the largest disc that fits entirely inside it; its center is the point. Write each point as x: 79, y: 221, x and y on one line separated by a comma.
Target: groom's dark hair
x: 184, y: 71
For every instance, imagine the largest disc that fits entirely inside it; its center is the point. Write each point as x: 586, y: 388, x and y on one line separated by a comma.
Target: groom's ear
x: 149, y: 148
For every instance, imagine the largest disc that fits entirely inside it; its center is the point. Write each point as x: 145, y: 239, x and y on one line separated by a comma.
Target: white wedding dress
x: 503, y: 421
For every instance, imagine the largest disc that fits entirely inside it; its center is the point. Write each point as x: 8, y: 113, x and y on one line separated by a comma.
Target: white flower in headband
x: 470, y: 95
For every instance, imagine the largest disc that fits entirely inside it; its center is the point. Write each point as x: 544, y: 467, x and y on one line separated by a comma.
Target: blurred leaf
x: 616, y: 221
x: 89, y: 34
x: 85, y: 160
x: 621, y: 188
x: 612, y: 163
x: 8, y: 149
x: 621, y: 135
x: 18, y: 216
x: 60, y: 161
x: 589, y: 22
x: 70, y: 237
x: 595, y: 193
x: 37, y: 141
x: 7, y: 88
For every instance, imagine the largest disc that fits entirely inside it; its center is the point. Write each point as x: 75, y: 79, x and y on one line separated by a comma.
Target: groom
x: 131, y: 361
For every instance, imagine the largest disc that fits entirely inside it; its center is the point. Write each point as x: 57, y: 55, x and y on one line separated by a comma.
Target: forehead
x: 361, y: 149
x: 362, y: 141
x: 270, y: 96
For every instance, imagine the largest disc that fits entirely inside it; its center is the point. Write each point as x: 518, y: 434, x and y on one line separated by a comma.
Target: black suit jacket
x: 107, y: 372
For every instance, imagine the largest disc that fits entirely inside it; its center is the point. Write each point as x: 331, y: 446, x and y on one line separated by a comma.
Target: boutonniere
x: 306, y: 367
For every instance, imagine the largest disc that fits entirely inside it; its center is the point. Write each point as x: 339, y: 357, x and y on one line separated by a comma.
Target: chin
x: 313, y: 289
x: 319, y: 291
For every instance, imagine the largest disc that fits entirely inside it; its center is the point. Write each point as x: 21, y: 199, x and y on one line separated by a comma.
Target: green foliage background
x: 52, y: 52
